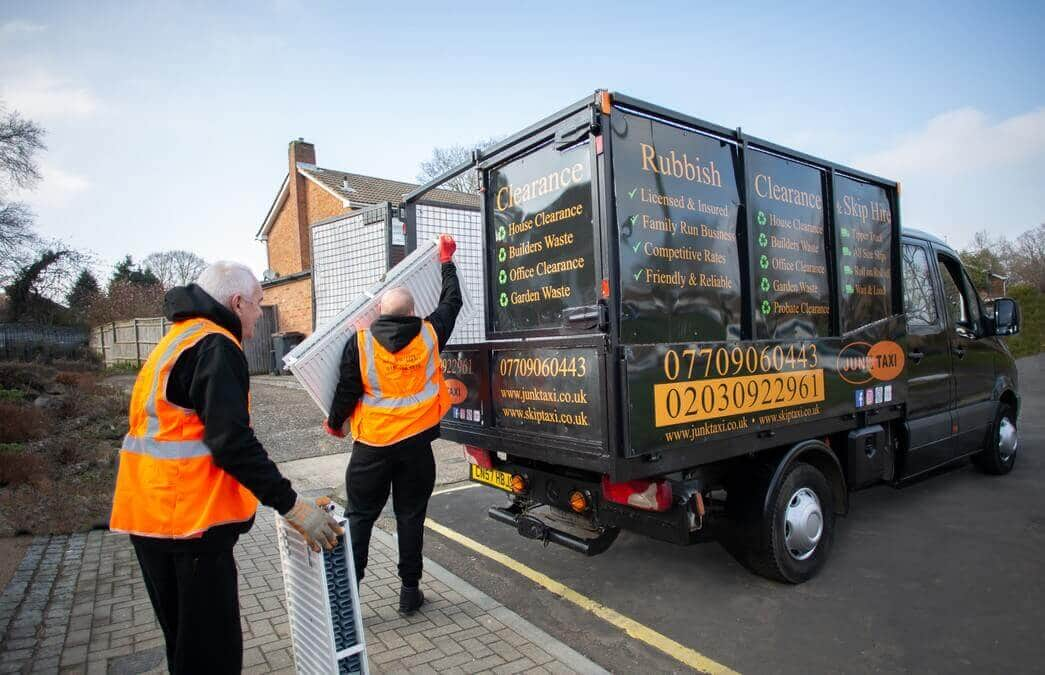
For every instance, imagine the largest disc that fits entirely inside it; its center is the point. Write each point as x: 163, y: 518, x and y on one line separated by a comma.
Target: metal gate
x: 349, y: 254
x: 258, y: 349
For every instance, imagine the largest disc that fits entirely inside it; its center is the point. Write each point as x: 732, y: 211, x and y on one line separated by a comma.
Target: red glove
x: 447, y: 246
x: 338, y: 433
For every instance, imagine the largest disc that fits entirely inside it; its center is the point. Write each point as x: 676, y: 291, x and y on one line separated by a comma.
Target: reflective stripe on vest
x: 164, y: 449
x: 168, y: 485
x: 388, y: 410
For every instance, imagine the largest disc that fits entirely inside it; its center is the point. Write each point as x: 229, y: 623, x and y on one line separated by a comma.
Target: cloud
x: 19, y: 26
x: 959, y: 142
x: 56, y: 187
x: 44, y: 96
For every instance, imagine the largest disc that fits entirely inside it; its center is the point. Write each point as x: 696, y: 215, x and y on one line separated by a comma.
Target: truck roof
x: 921, y: 234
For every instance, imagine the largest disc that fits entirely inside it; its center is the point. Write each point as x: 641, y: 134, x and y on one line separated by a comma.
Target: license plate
x: 499, y: 479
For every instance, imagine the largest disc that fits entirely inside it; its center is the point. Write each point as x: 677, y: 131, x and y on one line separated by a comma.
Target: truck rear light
x: 578, y: 501
x: 641, y: 494
x: 518, y: 484
x: 478, y: 456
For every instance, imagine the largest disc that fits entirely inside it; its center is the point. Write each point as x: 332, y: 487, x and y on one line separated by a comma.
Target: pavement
x: 77, y: 603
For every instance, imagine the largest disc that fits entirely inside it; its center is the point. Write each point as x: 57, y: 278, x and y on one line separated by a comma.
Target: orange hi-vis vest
x: 403, y: 393
x: 168, y: 485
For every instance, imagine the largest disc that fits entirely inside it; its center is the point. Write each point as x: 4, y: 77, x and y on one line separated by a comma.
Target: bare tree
x: 1028, y: 258
x: 450, y: 157
x: 20, y: 139
x: 174, y: 268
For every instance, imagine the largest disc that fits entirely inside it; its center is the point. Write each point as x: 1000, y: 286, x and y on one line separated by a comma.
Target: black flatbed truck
x: 694, y: 333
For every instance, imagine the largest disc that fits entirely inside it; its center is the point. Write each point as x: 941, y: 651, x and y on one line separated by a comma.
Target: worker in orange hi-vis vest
x: 192, y: 472
x: 391, y: 386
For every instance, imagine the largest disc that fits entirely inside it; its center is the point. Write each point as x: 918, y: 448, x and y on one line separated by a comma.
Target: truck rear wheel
x: 999, y: 456
x: 791, y: 539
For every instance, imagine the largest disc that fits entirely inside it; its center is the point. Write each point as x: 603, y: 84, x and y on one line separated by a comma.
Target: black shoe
x: 410, y: 599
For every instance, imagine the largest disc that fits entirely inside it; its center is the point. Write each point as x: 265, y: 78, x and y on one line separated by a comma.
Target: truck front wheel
x: 999, y: 456
x: 794, y: 536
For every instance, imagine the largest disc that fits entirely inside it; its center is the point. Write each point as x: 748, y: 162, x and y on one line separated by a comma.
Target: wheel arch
x: 818, y: 454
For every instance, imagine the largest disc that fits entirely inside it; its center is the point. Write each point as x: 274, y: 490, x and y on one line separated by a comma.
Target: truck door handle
x: 959, y: 352
x: 916, y: 355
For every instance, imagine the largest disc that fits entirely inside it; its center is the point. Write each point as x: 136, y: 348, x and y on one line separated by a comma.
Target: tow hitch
x: 533, y: 528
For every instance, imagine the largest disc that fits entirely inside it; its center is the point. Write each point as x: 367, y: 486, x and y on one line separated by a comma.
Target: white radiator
x: 326, y: 625
x: 316, y: 361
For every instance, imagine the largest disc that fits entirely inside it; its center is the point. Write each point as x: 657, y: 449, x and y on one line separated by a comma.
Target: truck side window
x: 960, y: 296
x: 919, y: 294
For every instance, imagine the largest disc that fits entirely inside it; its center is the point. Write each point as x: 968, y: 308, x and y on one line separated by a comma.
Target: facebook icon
x: 859, y: 398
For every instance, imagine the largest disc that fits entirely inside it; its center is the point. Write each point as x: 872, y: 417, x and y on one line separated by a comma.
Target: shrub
x: 19, y: 468
x: 30, y: 377
x: 83, y: 361
x: 20, y: 423
x: 1031, y: 338
x: 82, y: 380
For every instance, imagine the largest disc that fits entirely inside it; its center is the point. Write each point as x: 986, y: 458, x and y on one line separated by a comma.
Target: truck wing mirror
x: 1006, y: 316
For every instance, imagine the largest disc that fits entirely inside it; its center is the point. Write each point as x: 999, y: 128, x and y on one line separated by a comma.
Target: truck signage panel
x: 792, y: 296
x: 864, y: 231
x: 686, y: 393
x: 677, y: 205
x: 549, y: 391
x: 538, y: 218
x: 465, y: 374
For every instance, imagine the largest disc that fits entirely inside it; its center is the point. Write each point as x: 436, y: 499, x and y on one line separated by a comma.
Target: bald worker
x: 391, y: 389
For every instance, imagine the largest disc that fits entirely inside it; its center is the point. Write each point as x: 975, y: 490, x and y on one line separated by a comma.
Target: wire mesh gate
x: 350, y: 253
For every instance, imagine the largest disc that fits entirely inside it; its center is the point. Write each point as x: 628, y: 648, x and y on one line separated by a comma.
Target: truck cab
x: 961, y: 379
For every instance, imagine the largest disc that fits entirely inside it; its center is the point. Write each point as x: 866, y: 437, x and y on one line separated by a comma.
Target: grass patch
x: 121, y: 368
x: 11, y: 395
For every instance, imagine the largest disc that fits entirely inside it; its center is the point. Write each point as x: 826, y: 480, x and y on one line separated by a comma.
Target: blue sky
x: 168, y: 122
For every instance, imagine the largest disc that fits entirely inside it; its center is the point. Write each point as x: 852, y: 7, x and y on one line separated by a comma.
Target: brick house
x: 309, y: 195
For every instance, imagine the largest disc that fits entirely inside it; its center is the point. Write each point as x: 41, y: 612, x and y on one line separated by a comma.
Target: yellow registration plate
x: 498, y: 479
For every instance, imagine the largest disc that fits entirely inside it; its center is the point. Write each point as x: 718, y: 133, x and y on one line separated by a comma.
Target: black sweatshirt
x: 212, y: 378
x: 394, y: 333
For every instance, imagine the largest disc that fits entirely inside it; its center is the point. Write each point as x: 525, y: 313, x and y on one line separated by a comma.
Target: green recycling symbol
x: 504, y: 300
x: 502, y: 276
x: 767, y: 309
x: 761, y: 218
x: 765, y: 284
x: 500, y: 233
x: 762, y: 240
x: 763, y: 262
x: 501, y: 255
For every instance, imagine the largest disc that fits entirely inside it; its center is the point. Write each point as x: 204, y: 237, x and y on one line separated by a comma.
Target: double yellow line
x: 679, y: 652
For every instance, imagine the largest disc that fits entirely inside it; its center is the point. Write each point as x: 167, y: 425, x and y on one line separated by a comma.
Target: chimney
x: 303, y: 153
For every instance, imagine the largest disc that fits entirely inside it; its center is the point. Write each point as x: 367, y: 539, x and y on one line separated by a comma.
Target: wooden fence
x: 128, y: 342
x: 131, y: 342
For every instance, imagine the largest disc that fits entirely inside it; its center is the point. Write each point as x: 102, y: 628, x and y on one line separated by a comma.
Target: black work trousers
x: 408, y: 470
x: 196, y: 599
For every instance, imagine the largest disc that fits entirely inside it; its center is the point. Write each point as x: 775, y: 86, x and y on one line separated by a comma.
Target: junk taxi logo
x: 458, y: 391
x: 862, y: 362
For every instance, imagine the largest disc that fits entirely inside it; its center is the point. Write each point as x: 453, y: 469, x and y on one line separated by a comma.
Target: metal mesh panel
x: 466, y: 228
x: 348, y: 255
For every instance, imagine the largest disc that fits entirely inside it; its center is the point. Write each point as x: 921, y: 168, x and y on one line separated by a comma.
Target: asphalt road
x: 945, y: 575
